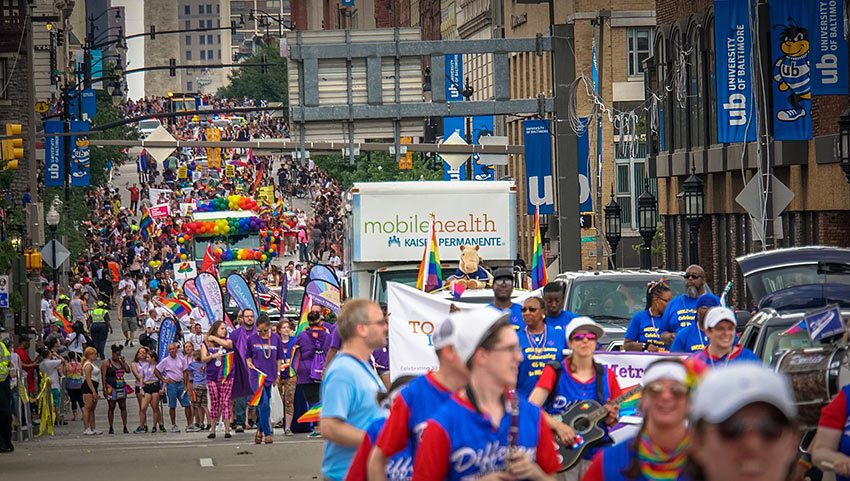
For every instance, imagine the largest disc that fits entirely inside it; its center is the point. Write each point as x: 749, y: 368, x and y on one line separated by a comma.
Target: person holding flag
x: 265, y: 356
x: 217, y: 352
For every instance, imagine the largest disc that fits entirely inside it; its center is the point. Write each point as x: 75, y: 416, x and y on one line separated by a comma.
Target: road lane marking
x: 207, y: 463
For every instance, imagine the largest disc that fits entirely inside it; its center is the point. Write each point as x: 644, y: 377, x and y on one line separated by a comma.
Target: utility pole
x: 600, y: 49
x: 763, y: 99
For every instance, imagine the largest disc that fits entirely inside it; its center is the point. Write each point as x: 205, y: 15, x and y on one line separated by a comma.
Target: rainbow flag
x: 430, y: 277
x: 226, y: 366
x: 538, y: 263
x: 192, y: 396
x: 799, y: 327
x: 258, y: 394
x: 146, y: 226
x: 65, y: 324
x: 179, y: 307
x: 278, y: 208
x: 312, y: 415
x: 306, y: 305
x: 629, y: 407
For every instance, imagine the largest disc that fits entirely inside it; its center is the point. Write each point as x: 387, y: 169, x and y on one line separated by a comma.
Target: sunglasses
x: 530, y: 309
x: 657, y: 388
x: 582, y: 336
x: 692, y: 276
x: 770, y: 428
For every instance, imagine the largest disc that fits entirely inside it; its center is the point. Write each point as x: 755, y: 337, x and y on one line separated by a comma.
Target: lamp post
x: 613, y: 227
x: 53, y: 218
x: 647, y: 224
x: 844, y: 143
x: 694, y: 197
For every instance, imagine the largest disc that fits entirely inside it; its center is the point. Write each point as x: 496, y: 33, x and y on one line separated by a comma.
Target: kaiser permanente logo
x: 447, y: 231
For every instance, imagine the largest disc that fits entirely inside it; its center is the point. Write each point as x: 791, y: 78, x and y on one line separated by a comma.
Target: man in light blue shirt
x: 350, y: 385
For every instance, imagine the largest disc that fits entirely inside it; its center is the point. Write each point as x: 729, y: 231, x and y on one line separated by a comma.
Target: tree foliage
x: 251, y: 82
x: 376, y: 167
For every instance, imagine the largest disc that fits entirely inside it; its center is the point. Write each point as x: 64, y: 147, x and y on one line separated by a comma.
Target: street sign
x: 229, y: 170
x: 41, y: 107
x: 62, y: 253
x: 4, y: 291
x: 751, y: 198
x: 159, y: 153
x: 494, y: 159
x: 455, y: 160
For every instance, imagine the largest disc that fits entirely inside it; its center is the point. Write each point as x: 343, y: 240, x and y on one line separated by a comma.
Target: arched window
x: 659, y: 81
x: 696, y: 101
x: 711, y: 90
x: 680, y: 90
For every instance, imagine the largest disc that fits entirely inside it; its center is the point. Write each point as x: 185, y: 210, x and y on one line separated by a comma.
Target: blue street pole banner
x: 89, y: 102
x: 732, y: 37
x: 481, y: 126
x: 454, y: 80
x: 538, y: 166
x: 80, y: 155
x: 347, y: 3
x: 97, y: 68
x: 792, y: 86
x: 584, y: 197
x: 54, y: 167
x: 829, y: 48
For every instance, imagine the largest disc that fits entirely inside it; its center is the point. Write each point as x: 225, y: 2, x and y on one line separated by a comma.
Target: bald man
x: 681, y: 311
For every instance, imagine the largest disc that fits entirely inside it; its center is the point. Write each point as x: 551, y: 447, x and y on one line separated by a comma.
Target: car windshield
x: 148, y: 124
x: 617, y: 299
x: 406, y: 277
x: 201, y: 244
x: 767, y: 282
x: 293, y: 298
x: 776, y: 343
x: 244, y: 241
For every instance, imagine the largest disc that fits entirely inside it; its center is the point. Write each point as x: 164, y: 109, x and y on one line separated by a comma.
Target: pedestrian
x: 693, y: 337
x: 553, y: 299
x: 240, y: 336
x: 288, y: 380
x: 579, y: 378
x: 28, y: 366
x: 477, y: 419
x: 644, y: 331
x: 134, y: 197
x: 73, y: 372
x: 77, y: 305
x: 6, y: 398
x: 265, y: 356
x: 128, y: 315
x: 152, y: 390
x: 49, y: 366
x: 173, y: 373
x: 720, y: 325
x: 743, y: 421
x: 152, y: 325
x: 91, y: 378
x: 100, y: 327
x: 540, y: 343
x: 77, y: 341
x: 310, y: 361
x: 349, y: 389
x: 830, y: 449
x: 213, y: 350
x: 114, y: 386
x: 659, y: 449
x: 424, y: 395
x: 682, y: 310
x: 136, y: 369
x: 503, y: 288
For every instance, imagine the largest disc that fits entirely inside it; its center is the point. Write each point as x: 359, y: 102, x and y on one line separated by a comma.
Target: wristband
x: 805, y: 461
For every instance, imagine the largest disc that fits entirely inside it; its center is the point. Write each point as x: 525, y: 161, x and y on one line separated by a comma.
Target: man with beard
x: 503, y: 287
x: 681, y: 312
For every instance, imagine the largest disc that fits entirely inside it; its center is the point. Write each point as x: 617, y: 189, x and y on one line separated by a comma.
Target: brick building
x: 820, y: 210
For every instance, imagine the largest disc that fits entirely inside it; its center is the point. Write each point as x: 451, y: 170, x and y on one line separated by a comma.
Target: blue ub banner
x: 482, y: 126
x: 792, y: 86
x: 54, y: 168
x: 829, y: 48
x: 89, y: 103
x: 80, y: 155
x: 454, y: 85
x: 538, y: 166
x: 732, y: 37
x: 584, y: 198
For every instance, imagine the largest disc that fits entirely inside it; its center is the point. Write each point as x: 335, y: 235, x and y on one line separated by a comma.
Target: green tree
x: 251, y: 82
x: 375, y: 167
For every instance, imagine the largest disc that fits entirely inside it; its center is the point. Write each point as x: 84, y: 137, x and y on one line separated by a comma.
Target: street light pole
x: 647, y: 224
x: 694, y: 197
x: 53, y: 218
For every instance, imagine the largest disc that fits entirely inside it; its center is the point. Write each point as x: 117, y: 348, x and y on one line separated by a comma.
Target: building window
x: 219, y: 54
x: 629, y: 183
x: 209, y: 39
x: 218, y: 39
x: 210, y: 54
x: 4, y: 94
x: 203, y: 54
x: 209, y: 23
x: 217, y: 9
x: 200, y: 24
x: 189, y: 86
x: 187, y: 10
x: 712, y: 87
x: 640, y: 47
x: 188, y: 25
x: 218, y: 23
x: 200, y: 9
x: 188, y: 40
x: 188, y: 55
x: 209, y: 9
x: 203, y: 40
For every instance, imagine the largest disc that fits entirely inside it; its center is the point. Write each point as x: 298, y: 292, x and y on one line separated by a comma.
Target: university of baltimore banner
x: 538, y: 166
x: 736, y: 121
x: 829, y: 48
x: 792, y: 85
x: 54, y: 168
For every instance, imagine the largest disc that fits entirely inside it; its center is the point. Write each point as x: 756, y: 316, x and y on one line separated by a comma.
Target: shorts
x: 129, y: 324
x: 151, y: 387
x: 56, y: 397
x: 200, y: 395
x: 114, y: 394
x: 176, y: 392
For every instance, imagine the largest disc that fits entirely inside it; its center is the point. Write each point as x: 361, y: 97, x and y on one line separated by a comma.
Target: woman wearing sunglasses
x: 540, y: 343
x: 659, y: 450
x: 743, y: 426
x: 580, y: 379
x: 644, y: 331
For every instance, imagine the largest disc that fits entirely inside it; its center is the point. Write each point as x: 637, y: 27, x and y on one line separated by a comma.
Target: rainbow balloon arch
x: 231, y: 202
x: 229, y: 226
x: 260, y: 255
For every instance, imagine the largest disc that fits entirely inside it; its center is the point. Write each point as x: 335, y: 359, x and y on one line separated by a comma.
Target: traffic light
x: 153, y: 32
x: 33, y: 260
x: 13, y: 149
x: 264, y: 66
x: 405, y: 161
x: 172, y: 67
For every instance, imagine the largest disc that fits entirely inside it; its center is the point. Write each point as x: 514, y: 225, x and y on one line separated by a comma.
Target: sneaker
x: 240, y: 429
x: 111, y: 431
x: 206, y: 427
x: 314, y: 434
x: 88, y: 432
x: 161, y: 428
x: 190, y: 428
x: 153, y: 431
x: 146, y: 428
x: 126, y: 342
x: 140, y: 430
x: 126, y: 431
x: 174, y: 428
x: 288, y: 432
x: 97, y: 431
x: 131, y: 343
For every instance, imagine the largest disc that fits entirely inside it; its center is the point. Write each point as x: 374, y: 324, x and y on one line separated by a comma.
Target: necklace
x: 711, y: 359
x: 537, y: 346
x: 266, y: 354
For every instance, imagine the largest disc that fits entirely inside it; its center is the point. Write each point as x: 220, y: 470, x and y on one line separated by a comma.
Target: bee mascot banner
x: 792, y: 74
x: 80, y: 155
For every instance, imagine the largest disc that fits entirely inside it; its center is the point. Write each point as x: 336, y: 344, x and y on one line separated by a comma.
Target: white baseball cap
x: 586, y: 323
x: 466, y: 329
x: 717, y: 314
x: 724, y: 391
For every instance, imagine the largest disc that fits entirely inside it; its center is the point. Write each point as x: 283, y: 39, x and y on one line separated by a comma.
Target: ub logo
x: 791, y: 70
x: 81, y: 157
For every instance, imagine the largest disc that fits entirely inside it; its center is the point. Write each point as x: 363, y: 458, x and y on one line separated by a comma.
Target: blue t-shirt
x: 680, y: 313
x: 537, y: 350
x: 199, y: 372
x: 348, y: 393
x: 645, y: 329
x: 562, y: 320
x: 516, y: 314
x: 689, y: 339
x: 737, y: 354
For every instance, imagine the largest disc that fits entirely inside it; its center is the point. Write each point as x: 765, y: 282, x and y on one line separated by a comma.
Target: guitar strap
x: 557, y: 367
x: 600, y: 371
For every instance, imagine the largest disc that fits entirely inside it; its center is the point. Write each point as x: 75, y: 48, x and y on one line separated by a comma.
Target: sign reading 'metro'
x: 390, y: 220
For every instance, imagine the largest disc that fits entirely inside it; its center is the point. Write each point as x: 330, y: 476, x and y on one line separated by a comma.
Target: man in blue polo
x: 693, y: 338
x: 503, y: 287
x: 681, y: 312
x: 553, y: 302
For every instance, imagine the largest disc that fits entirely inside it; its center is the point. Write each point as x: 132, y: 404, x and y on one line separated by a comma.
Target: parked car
x: 611, y: 298
x: 786, y: 284
x: 146, y: 127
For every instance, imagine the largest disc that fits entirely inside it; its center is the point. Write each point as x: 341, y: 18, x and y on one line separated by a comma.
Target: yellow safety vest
x: 98, y: 315
x: 5, y: 362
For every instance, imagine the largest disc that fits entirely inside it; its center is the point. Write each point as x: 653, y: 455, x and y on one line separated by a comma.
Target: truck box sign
x: 391, y: 220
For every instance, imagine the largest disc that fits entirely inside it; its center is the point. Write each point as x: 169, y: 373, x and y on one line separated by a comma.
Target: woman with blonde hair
x: 91, y: 375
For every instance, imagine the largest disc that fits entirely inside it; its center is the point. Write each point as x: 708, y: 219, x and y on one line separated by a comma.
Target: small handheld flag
x: 226, y: 366
x: 430, y: 276
x: 799, y: 327
x: 258, y: 393
x: 312, y: 415
x: 64, y: 323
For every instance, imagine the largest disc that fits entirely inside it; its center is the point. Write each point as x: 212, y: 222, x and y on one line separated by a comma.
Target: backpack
x: 317, y: 365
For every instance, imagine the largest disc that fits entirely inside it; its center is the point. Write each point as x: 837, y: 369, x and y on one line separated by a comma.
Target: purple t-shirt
x: 240, y: 339
x: 288, y: 346
x: 213, y: 368
x: 172, y: 368
x: 333, y: 340
x: 306, y: 343
x: 265, y: 353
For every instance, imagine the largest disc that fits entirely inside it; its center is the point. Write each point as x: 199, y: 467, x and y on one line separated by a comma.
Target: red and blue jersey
x: 537, y: 350
x: 416, y: 402
x: 737, y: 354
x: 836, y: 415
x: 460, y: 443
x: 399, y: 466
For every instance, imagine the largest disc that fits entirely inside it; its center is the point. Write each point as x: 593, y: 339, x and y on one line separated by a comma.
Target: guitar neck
x: 602, y: 411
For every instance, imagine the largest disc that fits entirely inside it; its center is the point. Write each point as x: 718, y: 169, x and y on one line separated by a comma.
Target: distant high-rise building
x: 252, y: 29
